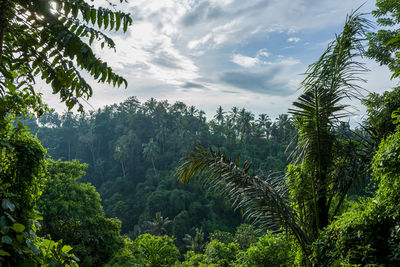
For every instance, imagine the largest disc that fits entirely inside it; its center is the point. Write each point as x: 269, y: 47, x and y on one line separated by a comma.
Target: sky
x: 208, y: 53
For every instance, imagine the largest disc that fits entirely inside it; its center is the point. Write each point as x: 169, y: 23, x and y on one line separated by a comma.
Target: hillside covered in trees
x: 133, y: 149
x: 159, y: 184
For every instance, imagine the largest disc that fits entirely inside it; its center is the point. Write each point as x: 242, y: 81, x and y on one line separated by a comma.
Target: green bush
x: 270, y: 250
x: 155, y: 250
x: 220, y: 253
x: 72, y: 212
x: 195, y: 260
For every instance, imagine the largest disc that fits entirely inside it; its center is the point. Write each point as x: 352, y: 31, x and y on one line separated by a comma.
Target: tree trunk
x: 123, y: 168
x: 322, y: 205
x: 3, y: 25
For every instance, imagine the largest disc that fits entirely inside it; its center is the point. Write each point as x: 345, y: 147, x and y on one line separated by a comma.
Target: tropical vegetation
x: 152, y: 184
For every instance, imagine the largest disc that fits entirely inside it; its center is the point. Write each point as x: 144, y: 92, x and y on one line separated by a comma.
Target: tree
x: 159, y: 225
x: 220, y: 115
x: 155, y: 250
x: 150, y: 152
x: 72, y: 212
x: 270, y: 250
x: 48, y: 38
x: 264, y: 199
x: 265, y: 123
x: 330, y: 80
x: 384, y: 45
x: 368, y: 233
x: 196, y: 243
x: 22, y: 167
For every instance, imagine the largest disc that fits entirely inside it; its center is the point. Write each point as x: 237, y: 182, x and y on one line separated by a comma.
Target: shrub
x: 270, y: 250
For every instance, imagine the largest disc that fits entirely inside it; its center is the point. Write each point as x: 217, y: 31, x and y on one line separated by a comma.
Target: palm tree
x: 318, y: 110
x: 196, y: 243
x: 219, y: 116
x: 265, y: 123
x: 150, y: 152
x: 158, y: 226
x: 234, y: 117
x: 244, y: 123
x: 264, y: 198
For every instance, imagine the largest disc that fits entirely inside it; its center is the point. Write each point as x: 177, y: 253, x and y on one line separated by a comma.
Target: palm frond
x: 334, y: 77
x: 263, y: 200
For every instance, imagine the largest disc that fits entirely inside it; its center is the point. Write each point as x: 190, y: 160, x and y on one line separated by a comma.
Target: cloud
x: 221, y: 51
x: 192, y: 85
x: 166, y: 60
x: 203, y: 11
x: 293, y: 40
x: 249, y: 62
x: 264, y: 82
x: 245, y: 61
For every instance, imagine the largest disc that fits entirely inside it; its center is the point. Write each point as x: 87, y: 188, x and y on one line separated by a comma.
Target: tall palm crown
x: 319, y: 109
x: 158, y: 226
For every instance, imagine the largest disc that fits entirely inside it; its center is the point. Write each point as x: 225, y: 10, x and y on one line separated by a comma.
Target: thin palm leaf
x: 263, y: 200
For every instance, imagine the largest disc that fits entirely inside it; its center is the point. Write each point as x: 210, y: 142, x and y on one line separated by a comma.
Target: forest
x: 154, y: 183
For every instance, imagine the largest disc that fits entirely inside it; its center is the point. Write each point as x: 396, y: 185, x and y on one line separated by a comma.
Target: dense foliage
x: 369, y: 232
x: 53, y: 39
x: 133, y: 148
x: 21, y: 175
x: 72, y: 212
x: 336, y: 205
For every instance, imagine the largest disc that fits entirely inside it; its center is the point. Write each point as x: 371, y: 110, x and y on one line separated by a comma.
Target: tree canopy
x: 53, y: 40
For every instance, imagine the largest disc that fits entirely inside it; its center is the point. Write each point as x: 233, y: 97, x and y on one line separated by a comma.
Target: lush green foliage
x: 72, y: 212
x: 384, y: 44
x: 270, y: 250
x: 147, y: 250
x: 369, y: 232
x: 379, y: 123
x: 47, y: 38
x: 136, y: 184
x: 21, y: 175
x: 220, y: 253
x: 131, y: 149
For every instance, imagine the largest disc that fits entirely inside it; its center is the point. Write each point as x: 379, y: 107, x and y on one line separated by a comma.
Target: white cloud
x: 293, y: 40
x: 245, y: 61
x: 248, y: 62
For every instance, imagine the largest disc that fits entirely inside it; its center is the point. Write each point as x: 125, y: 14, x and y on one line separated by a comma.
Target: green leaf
x: 87, y: 15
x: 4, y: 253
x: 106, y: 20
x: 74, y: 11
x: 93, y: 14
x: 79, y: 31
x: 112, y: 21
x: 125, y: 24
x: 7, y: 204
x: 99, y: 17
x: 17, y: 227
x: 66, y: 249
x: 20, y: 238
x: 67, y: 8
x: 3, y: 223
x: 91, y: 39
x: 118, y: 21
